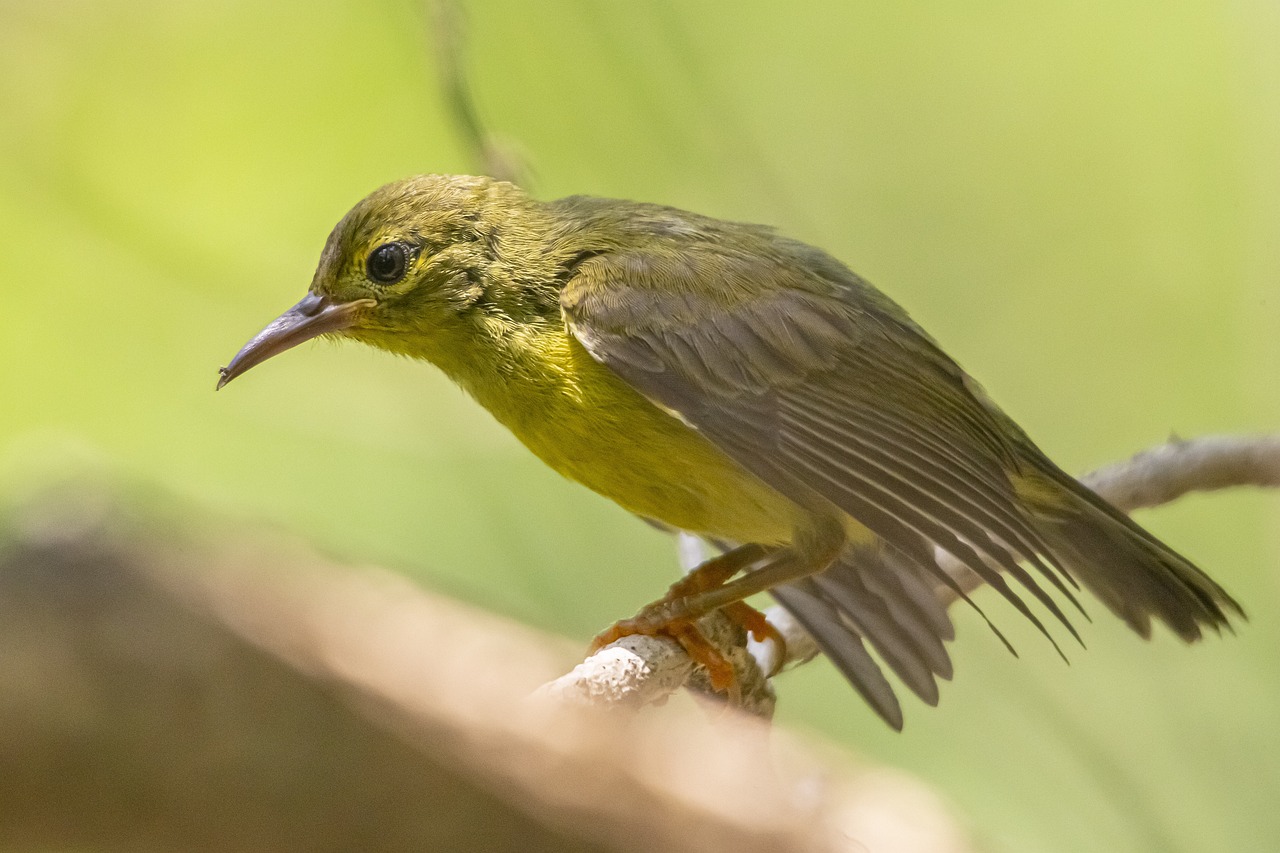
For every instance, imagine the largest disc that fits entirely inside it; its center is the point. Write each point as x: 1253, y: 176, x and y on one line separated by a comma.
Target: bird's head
x: 407, y: 260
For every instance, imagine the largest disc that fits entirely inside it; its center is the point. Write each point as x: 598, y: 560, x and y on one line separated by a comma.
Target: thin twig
x: 497, y: 158
x: 1165, y: 473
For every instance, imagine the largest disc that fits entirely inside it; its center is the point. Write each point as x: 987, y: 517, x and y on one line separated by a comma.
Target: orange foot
x: 760, y: 628
x: 684, y: 631
x: 665, y: 618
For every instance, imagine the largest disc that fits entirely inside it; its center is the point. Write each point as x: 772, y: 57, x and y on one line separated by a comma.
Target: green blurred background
x: 1082, y: 202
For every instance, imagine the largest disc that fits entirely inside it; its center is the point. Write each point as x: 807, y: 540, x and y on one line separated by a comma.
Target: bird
x: 723, y: 379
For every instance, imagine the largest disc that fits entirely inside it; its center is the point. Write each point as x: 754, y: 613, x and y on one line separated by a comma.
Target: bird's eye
x: 388, y: 262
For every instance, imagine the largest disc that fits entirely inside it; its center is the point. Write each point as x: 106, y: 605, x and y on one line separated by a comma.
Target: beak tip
x: 313, y: 316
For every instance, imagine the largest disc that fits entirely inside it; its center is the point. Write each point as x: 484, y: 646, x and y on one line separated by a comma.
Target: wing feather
x: 964, y: 510
x: 818, y: 385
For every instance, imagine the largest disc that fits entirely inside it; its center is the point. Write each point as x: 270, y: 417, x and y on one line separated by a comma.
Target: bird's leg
x: 709, y: 575
x: 709, y: 587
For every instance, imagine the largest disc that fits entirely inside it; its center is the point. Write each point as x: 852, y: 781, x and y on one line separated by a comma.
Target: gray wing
x: 816, y: 383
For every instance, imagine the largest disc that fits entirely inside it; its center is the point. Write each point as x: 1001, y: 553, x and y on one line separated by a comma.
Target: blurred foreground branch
x: 638, y: 671
x: 166, y: 693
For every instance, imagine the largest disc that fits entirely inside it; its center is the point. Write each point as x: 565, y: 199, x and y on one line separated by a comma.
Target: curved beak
x: 314, y: 315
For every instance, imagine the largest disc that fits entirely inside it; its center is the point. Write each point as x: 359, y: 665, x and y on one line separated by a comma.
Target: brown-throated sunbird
x: 721, y: 379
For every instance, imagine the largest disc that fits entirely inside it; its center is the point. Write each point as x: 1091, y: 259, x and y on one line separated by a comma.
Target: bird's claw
x: 660, y: 620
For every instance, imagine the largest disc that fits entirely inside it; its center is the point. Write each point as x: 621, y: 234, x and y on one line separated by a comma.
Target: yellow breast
x: 592, y: 427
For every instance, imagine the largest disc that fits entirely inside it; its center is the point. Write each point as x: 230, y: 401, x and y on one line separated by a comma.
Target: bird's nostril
x: 311, y: 304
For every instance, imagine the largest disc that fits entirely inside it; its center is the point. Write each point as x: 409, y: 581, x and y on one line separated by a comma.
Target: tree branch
x: 639, y: 671
x: 1165, y: 473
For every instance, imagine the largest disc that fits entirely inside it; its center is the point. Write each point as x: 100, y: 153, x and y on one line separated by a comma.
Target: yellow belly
x: 592, y: 427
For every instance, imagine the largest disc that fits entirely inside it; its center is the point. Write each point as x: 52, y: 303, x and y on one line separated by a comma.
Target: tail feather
x: 877, y: 597
x: 1131, y: 571
x: 885, y: 600
x: 843, y: 646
